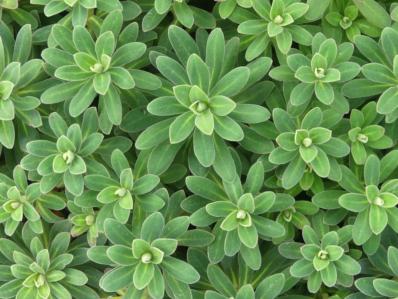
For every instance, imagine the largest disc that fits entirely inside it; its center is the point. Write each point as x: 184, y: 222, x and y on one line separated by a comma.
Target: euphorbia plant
x: 276, y: 23
x: 78, y: 10
x: 116, y: 198
x: 199, y: 105
x: 320, y: 75
x: 89, y: 68
x: 23, y: 202
x: 374, y: 201
x: 184, y: 13
x: 40, y: 268
x: 366, y: 135
x: 323, y: 260
x: 68, y: 155
x: 240, y: 215
x: 307, y: 144
x: 144, y: 263
x: 18, y: 100
x: 380, y: 74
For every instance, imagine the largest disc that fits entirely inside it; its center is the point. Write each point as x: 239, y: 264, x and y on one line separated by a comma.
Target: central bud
x: 146, y: 258
x: 307, y: 142
x: 288, y: 214
x: 121, y: 192
x: 319, y: 72
x: 15, y: 205
x: 97, y: 68
x: 68, y: 157
x: 379, y: 202
x: 345, y: 22
x: 241, y: 214
x: 89, y: 220
x: 278, y: 20
x: 201, y: 107
x: 362, y: 138
x: 323, y: 254
x: 40, y: 280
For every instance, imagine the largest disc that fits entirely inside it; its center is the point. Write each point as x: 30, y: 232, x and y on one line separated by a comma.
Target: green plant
x: 323, y: 260
x: 198, y: 149
x: 322, y: 74
x: 275, y: 23
x: 37, y: 268
x: 306, y: 145
x: 20, y: 200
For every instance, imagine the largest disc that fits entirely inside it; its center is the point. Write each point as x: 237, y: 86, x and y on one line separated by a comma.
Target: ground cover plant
x: 198, y: 149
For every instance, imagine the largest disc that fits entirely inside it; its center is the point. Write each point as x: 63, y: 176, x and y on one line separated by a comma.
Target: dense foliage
x: 198, y: 149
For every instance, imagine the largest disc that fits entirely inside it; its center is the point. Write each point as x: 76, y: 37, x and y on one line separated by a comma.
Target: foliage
x: 198, y: 149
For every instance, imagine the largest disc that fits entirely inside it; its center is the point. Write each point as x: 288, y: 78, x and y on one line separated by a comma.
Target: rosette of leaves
x: 239, y: 214
x: 306, y: 146
x: 227, y: 7
x: 294, y: 218
x: 23, y: 202
x: 77, y: 10
x: 68, y: 155
x: 271, y: 286
x: 199, y: 108
x: 271, y: 280
x: 115, y: 196
x: 343, y: 19
x: 40, y: 268
x: 185, y: 14
x: 322, y: 74
x: 373, y: 201
x: 323, y: 260
x: 366, y: 135
x: 83, y: 222
x: 18, y: 104
x: 382, y: 283
x: 144, y: 263
x: 88, y: 68
x: 380, y: 75
x: 277, y: 23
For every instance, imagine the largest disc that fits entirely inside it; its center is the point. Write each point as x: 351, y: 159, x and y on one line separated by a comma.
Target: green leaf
x: 293, y: 173
x: 182, y: 42
x: 393, y: 259
x: 220, y: 280
x: 386, y: 287
x: 181, y: 127
x: 324, y: 92
x: 271, y: 286
x: 321, y: 164
x: 232, y: 83
x: 102, y: 82
x: 329, y: 275
x: 354, y: 202
x: 373, y: 12
x: 203, y: 147
x: 228, y: 129
x: 378, y: 219
x: 301, y: 268
x: 117, y: 279
x: 82, y: 99
x: 180, y: 270
x: 143, y: 275
x: 172, y: 70
x: 205, y: 122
